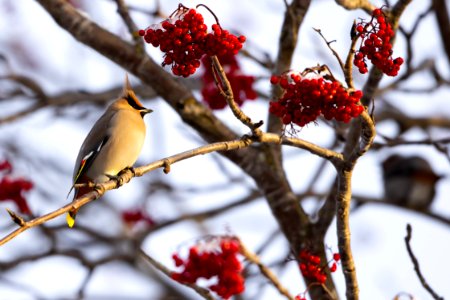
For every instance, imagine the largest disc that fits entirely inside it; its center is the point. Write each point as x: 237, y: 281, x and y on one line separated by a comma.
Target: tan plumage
x: 113, y: 144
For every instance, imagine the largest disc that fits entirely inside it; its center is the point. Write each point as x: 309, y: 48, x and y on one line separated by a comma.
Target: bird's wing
x: 92, y: 145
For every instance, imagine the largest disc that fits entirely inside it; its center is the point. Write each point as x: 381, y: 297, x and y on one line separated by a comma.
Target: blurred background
x: 53, y: 88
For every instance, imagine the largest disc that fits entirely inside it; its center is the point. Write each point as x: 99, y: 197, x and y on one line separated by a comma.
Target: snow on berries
x: 184, y: 39
x: 375, y: 45
x: 307, y: 97
x: 241, y: 84
x: 216, y: 258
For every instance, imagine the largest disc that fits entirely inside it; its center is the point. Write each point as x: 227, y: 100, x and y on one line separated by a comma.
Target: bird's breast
x: 126, y: 138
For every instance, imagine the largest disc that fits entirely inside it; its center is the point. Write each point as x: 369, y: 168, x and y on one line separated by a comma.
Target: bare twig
x: 122, y: 9
x: 416, y: 264
x: 341, y: 64
x: 225, y: 89
x: 201, y: 291
x: 348, y: 67
x: 253, y: 258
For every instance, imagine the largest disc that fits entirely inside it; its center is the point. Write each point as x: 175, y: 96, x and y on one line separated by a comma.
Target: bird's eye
x: 133, y: 103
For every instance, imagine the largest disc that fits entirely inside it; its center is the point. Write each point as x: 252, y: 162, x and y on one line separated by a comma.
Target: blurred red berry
x: 13, y: 189
x: 336, y: 256
x: 241, y: 84
x: 5, y: 166
x: 218, y: 260
x: 134, y: 216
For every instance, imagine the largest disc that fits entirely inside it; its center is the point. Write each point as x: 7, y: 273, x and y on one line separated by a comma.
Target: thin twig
x: 416, y: 264
x: 201, y: 291
x: 253, y: 258
x: 341, y: 64
x: 225, y: 89
x: 123, y: 11
x: 348, y: 68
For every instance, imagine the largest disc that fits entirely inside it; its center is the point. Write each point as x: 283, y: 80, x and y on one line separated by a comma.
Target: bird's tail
x: 70, y: 218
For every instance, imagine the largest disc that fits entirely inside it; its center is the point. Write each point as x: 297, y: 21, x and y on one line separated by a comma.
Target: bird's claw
x: 117, y: 178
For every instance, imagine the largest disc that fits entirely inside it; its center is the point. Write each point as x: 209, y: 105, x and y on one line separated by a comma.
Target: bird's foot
x: 117, y: 178
x: 131, y: 169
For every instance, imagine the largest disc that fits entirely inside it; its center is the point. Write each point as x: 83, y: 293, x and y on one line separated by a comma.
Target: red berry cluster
x: 184, y: 39
x: 310, y: 266
x: 304, y: 99
x: 13, y: 189
x: 375, y: 46
x: 221, y: 262
x: 241, y: 85
x: 135, y: 216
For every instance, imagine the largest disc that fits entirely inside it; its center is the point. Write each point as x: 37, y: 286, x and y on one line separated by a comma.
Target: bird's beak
x: 145, y: 111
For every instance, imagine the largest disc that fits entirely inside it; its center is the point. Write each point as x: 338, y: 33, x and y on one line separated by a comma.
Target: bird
x: 409, y: 181
x: 112, y: 145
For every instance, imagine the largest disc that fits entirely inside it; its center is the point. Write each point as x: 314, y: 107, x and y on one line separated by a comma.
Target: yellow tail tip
x: 70, y: 220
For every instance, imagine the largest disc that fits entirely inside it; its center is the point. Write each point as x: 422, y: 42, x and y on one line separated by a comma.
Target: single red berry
x: 274, y: 79
x: 333, y: 268
x: 336, y: 256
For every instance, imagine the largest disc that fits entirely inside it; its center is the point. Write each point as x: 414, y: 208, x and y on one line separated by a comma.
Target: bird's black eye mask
x: 132, y: 101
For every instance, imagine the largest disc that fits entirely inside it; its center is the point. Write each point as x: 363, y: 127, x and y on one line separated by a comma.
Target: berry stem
x: 180, y: 10
x: 214, y: 15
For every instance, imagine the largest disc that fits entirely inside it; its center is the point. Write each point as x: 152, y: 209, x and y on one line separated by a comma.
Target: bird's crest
x: 130, y: 96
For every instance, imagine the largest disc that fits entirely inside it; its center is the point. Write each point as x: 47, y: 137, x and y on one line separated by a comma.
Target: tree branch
x: 253, y: 258
x: 416, y: 264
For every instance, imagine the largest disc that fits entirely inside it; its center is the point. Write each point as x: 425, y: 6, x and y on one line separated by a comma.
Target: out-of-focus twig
x: 123, y: 11
x: 357, y: 4
x: 201, y: 291
x: 253, y: 258
x: 415, y: 262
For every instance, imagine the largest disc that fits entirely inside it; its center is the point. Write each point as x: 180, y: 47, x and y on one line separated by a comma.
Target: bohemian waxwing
x: 409, y: 181
x: 113, y: 144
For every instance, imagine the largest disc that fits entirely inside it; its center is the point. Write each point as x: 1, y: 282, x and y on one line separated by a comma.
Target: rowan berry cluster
x: 305, y: 99
x: 241, y: 84
x: 375, y: 45
x: 137, y: 216
x: 310, y: 266
x: 12, y: 189
x: 218, y: 259
x: 184, y: 38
